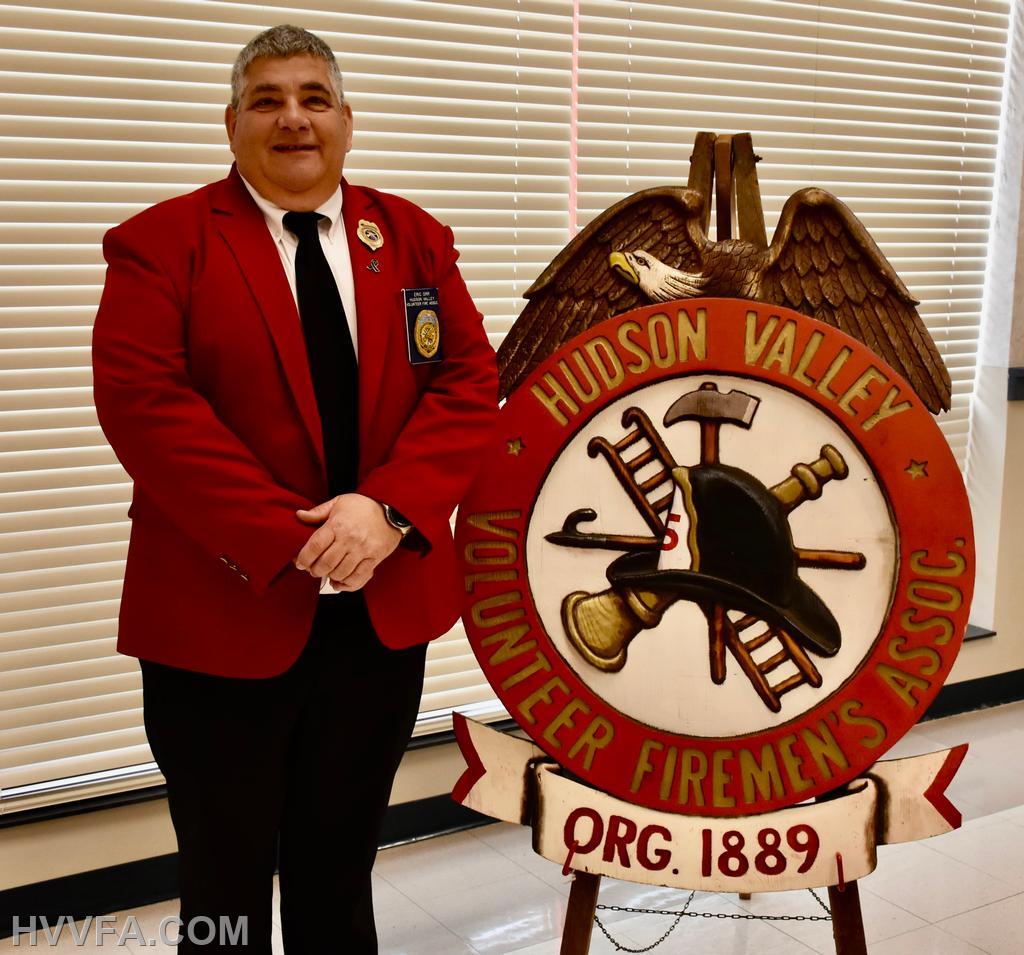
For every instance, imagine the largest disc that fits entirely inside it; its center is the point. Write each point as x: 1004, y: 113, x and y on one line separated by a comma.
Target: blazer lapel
x: 244, y: 229
x: 377, y: 297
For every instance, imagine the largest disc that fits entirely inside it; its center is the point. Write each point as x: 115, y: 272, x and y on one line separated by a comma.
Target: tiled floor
x: 486, y: 892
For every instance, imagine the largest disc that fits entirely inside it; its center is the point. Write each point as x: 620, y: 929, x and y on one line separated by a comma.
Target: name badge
x: 423, y: 325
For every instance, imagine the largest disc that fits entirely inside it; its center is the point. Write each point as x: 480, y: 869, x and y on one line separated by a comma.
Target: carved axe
x: 712, y: 408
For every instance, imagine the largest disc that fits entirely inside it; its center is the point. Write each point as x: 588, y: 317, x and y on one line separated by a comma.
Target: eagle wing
x: 823, y: 262
x: 579, y: 289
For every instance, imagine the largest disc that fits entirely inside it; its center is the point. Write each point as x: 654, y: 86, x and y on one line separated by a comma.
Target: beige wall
x: 94, y: 840
x: 1005, y: 651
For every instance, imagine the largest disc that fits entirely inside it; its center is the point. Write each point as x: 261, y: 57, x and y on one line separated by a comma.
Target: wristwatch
x: 398, y: 521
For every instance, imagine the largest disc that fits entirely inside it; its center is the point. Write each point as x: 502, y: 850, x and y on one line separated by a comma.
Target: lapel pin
x: 374, y: 266
x: 369, y: 234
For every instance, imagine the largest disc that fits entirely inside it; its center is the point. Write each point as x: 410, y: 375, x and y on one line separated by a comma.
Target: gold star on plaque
x: 917, y: 469
x: 515, y: 446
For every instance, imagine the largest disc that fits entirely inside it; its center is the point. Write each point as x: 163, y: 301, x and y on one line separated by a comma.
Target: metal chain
x: 619, y: 947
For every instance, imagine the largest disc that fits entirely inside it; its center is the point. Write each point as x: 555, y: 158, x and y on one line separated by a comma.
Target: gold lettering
x: 541, y: 695
x: 557, y: 396
x: 824, y: 749
x: 692, y: 336
x: 498, y: 600
x: 953, y: 598
x: 502, y: 552
x: 793, y: 764
x: 781, y: 352
x: 668, y: 773
x: 598, y: 734
x: 849, y: 714
x: 902, y: 683
x: 764, y: 775
x: 807, y: 357
x: 643, y: 359
x: 837, y: 363
x: 510, y: 645
x: 540, y: 662
x: 720, y: 779
x: 487, y: 577
x: 564, y: 718
x: 606, y: 361
x: 667, y: 356
x: 643, y: 763
x: 909, y: 621
x: 586, y: 395
x: 901, y: 655
x: 693, y: 767
x: 859, y: 389
x: 486, y: 522
x: 887, y: 409
x: 955, y: 568
x: 755, y: 343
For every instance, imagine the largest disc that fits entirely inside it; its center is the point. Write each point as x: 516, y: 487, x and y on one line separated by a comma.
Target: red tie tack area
x: 720, y: 557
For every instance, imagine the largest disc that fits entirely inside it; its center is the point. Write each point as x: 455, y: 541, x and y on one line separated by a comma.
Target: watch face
x: 396, y: 520
x: 719, y: 558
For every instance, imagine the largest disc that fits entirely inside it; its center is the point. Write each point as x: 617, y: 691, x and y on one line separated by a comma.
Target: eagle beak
x: 619, y: 263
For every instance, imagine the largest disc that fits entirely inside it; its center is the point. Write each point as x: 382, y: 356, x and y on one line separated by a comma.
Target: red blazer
x: 202, y: 388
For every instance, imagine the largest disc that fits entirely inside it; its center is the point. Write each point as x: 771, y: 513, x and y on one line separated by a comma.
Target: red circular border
x: 930, y: 515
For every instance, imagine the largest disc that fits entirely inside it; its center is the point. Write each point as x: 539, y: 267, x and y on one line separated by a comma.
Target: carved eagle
x: 652, y: 247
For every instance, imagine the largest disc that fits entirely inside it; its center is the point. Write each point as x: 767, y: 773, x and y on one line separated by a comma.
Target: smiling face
x: 290, y: 134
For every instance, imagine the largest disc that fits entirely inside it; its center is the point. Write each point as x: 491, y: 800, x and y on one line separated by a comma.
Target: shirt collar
x: 274, y: 214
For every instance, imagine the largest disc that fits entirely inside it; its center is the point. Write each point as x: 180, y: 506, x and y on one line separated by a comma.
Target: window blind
x: 460, y: 106
x: 892, y: 105
x: 467, y: 109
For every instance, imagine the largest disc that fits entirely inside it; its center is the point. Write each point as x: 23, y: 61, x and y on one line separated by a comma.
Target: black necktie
x: 332, y: 359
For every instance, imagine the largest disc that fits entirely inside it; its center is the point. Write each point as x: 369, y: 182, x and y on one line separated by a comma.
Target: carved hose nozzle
x: 807, y: 480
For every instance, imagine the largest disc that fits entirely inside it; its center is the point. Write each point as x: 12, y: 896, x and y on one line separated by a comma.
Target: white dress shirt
x: 335, y: 245
x: 333, y: 241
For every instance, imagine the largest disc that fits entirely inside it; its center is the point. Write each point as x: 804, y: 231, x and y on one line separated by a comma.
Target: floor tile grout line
x: 971, y: 865
x: 868, y: 891
x: 976, y: 908
x: 420, y: 908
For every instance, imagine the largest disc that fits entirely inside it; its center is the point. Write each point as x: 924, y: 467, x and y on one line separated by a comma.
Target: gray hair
x: 281, y: 42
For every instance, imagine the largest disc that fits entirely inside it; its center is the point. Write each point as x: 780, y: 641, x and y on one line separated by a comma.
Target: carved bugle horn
x: 600, y: 626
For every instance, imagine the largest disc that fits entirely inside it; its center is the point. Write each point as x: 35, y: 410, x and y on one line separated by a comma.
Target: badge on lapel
x: 423, y: 325
x: 369, y: 234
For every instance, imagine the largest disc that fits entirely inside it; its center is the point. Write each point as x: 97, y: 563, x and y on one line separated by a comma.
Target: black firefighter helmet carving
x: 721, y: 540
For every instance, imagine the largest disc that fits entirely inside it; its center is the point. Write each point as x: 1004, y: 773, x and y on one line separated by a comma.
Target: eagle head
x: 658, y: 281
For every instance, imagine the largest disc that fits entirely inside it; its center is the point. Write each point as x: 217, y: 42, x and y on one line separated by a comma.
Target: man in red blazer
x: 280, y: 600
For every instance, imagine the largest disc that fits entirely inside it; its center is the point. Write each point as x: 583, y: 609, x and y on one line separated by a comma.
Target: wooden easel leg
x: 847, y: 922
x: 579, y: 919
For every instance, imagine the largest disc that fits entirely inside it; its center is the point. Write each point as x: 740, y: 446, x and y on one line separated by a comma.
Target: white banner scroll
x: 828, y: 842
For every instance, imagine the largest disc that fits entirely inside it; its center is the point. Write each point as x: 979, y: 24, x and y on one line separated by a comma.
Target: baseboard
x: 146, y: 881
x: 424, y: 818
x: 977, y: 694
x: 130, y: 885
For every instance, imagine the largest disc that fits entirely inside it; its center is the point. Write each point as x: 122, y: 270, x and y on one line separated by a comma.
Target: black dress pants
x: 295, y: 769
